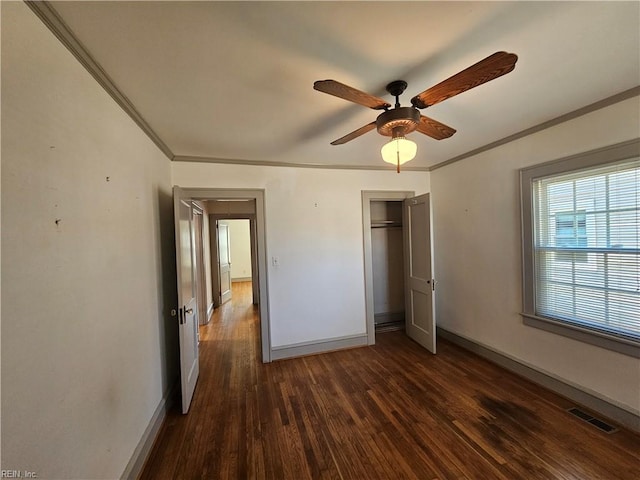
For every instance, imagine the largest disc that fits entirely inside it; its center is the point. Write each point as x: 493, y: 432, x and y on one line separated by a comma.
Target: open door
x: 224, y: 262
x: 187, y: 304
x: 420, y: 320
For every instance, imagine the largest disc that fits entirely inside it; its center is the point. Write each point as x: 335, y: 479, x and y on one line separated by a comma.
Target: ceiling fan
x: 398, y: 121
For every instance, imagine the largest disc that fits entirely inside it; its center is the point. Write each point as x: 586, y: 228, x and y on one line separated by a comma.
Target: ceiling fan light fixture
x: 398, y: 121
x: 399, y: 151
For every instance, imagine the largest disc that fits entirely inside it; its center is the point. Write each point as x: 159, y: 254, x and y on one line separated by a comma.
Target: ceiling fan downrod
x: 396, y: 88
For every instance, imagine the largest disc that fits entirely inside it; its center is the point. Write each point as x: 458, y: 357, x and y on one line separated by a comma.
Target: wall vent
x: 604, y: 426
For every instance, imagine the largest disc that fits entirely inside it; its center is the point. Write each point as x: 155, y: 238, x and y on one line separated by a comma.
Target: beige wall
x: 478, y: 262
x: 88, y: 273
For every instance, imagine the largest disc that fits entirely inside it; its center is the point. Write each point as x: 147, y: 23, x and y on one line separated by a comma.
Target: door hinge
x: 433, y: 284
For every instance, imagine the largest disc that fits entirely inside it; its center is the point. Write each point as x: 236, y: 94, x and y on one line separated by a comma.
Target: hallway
x: 385, y: 412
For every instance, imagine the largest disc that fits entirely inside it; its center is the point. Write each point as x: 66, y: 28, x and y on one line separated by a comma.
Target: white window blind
x: 586, y: 248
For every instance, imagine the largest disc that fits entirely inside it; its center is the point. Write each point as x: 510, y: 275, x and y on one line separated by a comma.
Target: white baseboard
x: 134, y: 468
x: 241, y: 279
x: 210, y: 309
x: 589, y: 399
x: 322, y: 346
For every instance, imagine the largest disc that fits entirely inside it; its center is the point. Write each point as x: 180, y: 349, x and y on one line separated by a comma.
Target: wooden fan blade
x: 346, y: 92
x: 494, y: 66
x: 434, y: 129
x: 355, y: 134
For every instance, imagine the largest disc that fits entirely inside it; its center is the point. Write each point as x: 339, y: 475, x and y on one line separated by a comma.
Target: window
x: 581, y: 255
x: 571, y: 232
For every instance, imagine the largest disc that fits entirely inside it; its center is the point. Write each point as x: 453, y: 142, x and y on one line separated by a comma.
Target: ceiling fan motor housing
x: 398, y: 121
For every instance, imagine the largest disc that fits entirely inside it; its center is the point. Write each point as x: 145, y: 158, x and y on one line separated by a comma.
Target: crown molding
x: 45, y: 11
x: 52, y: 20
x: 619, y: 97
x: 47, y: 14
x: 229, y: 161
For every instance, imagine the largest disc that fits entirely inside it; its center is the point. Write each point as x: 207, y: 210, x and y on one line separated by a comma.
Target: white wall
x: 240, y: 245
x: 478, y: 259
x: 314, y: 227
x: 88, y: 346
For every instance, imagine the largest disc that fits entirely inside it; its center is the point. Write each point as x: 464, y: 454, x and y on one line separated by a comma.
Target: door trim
x: 367, y: 197
x: 259, y: 197
x: 201, y: 295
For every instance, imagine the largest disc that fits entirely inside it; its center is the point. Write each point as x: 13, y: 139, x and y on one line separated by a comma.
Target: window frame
x: 612, y: 154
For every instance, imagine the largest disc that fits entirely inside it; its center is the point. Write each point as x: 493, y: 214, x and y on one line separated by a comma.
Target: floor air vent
x: 605, y: 427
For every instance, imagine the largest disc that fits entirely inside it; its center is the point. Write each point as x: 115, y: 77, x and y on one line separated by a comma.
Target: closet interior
x: 388, y: 264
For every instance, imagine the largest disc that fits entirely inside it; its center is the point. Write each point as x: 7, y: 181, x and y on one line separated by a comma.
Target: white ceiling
x: 233, y: 80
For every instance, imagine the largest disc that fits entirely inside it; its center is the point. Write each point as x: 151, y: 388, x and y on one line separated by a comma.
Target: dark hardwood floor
x: 391, y: 411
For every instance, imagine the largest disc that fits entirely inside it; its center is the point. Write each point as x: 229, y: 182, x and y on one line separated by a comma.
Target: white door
x: 420, y: 319
x: 187, y: 304
x: 224, y: 262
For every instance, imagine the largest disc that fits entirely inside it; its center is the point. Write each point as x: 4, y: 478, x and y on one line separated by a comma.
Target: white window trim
x: 614, y: 153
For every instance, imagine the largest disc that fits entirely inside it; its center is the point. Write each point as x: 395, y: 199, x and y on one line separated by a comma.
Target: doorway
x: 241, y: 250
x: 398, y: 265
x: 224, y: 204
x: 384, y: 259
x: 236, y: 236
x: 220, y: 260
x: 387, y: 265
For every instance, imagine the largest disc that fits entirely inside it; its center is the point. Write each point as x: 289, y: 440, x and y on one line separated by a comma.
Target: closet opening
x: 387, y: 262
x: 383, y: 215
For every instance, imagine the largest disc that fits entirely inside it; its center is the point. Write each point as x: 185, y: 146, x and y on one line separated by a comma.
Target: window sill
x: 586, y: 335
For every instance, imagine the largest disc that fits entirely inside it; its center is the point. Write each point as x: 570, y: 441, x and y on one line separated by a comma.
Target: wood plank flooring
x: 392, y: 411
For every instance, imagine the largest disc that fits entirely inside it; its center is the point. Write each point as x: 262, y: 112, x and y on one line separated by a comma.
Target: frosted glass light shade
x: 398, y: 151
